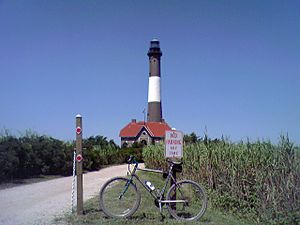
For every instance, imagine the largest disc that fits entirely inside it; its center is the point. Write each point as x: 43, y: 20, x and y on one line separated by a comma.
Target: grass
x: 147, y: 213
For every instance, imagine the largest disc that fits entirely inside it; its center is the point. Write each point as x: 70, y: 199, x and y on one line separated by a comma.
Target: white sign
x: 173, y: 144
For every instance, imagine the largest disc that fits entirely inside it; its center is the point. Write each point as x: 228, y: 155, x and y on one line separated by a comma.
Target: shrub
x: 33, y: 155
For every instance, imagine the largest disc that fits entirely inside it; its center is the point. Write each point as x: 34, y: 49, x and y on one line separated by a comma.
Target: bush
x: 137, y: 152
x: 33, y: 155
x: 9, y: 160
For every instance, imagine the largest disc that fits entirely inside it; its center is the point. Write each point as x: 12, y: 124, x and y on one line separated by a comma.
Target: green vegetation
x: 33, y: 155
x: 259, y: 179
x: 148, y: 213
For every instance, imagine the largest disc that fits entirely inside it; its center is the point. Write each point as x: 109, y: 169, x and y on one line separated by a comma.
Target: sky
x: 228, y: 68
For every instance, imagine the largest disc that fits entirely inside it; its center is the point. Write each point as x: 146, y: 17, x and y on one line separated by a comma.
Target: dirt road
x: 40, y: 203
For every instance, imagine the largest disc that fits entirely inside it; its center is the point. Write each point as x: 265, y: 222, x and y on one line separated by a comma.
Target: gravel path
x: 40, y: 203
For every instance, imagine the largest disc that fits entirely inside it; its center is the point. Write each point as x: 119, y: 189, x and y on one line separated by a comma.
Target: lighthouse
x: 152, y: 131
x: 154, y: 113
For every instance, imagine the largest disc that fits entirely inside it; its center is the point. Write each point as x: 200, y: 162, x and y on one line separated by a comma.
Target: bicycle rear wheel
x: 192, y: 200
x: 119, y: 198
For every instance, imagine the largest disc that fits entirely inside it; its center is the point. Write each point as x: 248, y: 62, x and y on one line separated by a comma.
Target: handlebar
x: 131, y: 160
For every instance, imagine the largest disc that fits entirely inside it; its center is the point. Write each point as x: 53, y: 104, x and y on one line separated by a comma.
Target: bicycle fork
x: 125, y: 188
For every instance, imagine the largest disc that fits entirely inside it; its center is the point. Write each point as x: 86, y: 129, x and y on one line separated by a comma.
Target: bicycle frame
x: 160, y: 195
x: 185, y: 200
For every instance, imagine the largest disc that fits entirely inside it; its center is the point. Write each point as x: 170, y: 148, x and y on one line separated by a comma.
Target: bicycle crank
x: 156, y: 201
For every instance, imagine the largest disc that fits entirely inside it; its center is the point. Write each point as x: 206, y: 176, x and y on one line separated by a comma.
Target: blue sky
x: 229, y: 67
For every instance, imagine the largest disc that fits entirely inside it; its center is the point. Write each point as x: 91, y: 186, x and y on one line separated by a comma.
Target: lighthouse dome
x: 154, y: 43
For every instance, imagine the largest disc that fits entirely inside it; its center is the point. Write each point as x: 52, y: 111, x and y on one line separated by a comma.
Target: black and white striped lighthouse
x: 153, y: 131
x: 154, y: 98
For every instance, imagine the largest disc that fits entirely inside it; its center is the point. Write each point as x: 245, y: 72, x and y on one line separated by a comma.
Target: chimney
x: 133, y: 121
x: 154, y: 99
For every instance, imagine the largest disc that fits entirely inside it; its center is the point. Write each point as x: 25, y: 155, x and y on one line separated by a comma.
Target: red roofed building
x: 143, y: 132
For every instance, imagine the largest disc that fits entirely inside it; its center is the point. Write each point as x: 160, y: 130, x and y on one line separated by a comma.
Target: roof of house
x: 155, y: 129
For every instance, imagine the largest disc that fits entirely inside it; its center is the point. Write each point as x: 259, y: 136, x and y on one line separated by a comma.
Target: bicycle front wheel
x: 189, y: 200
x: 119, y: 198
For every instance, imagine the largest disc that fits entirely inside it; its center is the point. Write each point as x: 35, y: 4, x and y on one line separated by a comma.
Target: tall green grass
x: 259, y: 179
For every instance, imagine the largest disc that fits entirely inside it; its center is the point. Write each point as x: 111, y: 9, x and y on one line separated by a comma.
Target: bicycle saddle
x: 174, y: 163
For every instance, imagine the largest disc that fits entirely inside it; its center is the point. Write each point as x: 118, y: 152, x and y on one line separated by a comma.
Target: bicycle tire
x: 195, y: 199
x: 111, y: 203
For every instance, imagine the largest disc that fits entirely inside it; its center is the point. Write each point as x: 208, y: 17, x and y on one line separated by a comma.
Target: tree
x: 190, y: 138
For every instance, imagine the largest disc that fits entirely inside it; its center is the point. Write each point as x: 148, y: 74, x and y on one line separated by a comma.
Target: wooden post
x: 79, y: 164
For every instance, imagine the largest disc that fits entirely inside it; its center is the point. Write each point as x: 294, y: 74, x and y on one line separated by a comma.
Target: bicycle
x: 185, y: 199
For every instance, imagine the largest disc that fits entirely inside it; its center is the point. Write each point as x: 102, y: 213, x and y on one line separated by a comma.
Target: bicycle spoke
x: 192, y: 201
